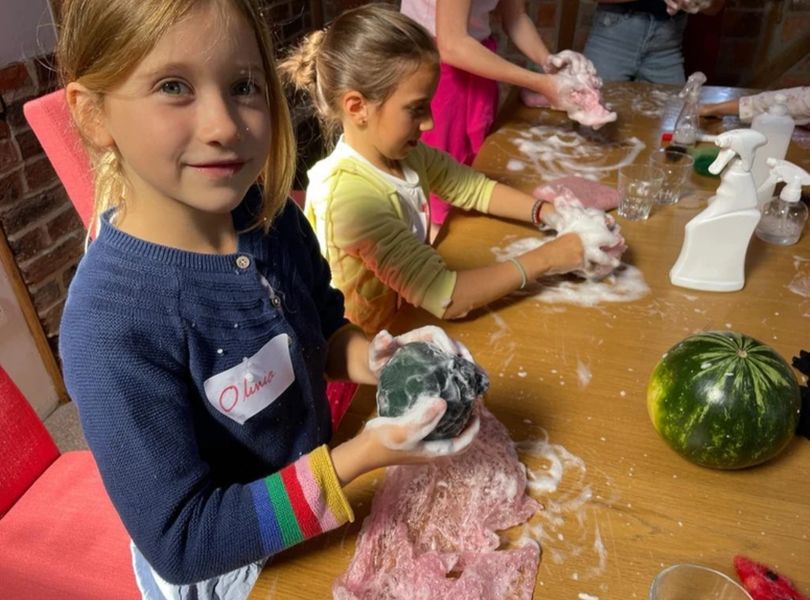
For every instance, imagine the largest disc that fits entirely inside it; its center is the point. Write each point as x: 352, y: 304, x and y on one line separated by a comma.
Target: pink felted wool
x: 590, y: 193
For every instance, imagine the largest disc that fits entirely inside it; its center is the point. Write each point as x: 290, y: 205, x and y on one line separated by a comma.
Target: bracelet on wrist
x: 536, y: 208
x: 524, y: 278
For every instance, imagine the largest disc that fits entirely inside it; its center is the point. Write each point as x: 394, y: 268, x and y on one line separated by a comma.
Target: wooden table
x: 580, y: 374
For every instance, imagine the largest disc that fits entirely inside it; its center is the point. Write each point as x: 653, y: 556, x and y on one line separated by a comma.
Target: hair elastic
x: 524, y: 279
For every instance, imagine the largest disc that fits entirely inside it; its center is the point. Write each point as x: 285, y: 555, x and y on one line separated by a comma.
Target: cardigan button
x: 243, y: 262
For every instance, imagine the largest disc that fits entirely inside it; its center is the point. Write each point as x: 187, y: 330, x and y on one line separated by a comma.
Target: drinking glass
x: 695, y: 582
x: 677, y: 167
x: 638, y: 187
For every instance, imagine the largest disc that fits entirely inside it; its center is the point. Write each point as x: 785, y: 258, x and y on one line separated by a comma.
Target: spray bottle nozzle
x: 742, y: 142
x: 792, y: 175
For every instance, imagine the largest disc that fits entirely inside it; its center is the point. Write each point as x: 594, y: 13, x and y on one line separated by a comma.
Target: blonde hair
x: 102, y: 41
x: 368, y: 49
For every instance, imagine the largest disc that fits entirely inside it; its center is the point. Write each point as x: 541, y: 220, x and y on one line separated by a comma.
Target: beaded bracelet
x: 536, y: 208
x: 524, y: 279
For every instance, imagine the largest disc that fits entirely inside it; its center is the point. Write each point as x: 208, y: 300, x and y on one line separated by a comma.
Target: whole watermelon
x: 419, y: 369
x: 725, y: 400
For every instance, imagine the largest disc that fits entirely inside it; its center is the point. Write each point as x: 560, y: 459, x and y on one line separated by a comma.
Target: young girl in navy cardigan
x: 201, y: 322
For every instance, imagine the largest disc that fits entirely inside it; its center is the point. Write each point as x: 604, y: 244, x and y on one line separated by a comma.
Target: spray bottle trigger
x: 722, y: 160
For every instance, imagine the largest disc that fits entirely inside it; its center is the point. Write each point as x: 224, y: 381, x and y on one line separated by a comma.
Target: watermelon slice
x: 764, y: 583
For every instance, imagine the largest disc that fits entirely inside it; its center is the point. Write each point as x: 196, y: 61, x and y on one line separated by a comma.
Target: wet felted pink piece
x: 432, y: 529
x: 590, y: 193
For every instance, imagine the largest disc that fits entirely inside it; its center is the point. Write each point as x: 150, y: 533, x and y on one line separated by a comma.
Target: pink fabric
x: 590, y: 193
x: 26, y: 447
x: 63, y: 539
x: 463, y: 111
x: 432, y: 531
x: 51, y: 122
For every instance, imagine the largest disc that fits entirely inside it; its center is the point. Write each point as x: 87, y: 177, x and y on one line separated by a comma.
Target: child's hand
x: 573, y: 63
x: 563, y: 254
x: 383, y: 346
x: 400, y: 440
x: 689, y: 6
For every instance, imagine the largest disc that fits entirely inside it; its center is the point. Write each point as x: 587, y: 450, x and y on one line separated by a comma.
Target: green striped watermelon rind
x: 751, y: 405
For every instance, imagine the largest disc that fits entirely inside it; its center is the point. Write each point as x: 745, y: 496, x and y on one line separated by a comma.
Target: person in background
x: 641, y: 40
x: 747, y: 107
x: 372, y: 75
x: 466, y: 99
x: 201, y: 322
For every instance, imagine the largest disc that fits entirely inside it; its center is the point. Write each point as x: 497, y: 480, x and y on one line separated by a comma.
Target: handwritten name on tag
x: 254, y: 384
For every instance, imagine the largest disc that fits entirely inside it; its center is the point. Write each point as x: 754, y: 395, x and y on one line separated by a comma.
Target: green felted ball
x: 422, y: 369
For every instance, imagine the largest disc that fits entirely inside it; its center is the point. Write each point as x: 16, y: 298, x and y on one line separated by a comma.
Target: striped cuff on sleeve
x: 302, y: 500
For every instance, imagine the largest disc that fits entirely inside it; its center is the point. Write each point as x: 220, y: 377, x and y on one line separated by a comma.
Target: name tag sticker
x: 254, y: 384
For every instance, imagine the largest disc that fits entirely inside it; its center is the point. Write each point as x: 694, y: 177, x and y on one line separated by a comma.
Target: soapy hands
x: 689, y: 6
x: 573, y: 63
x: 399, y: 440
x: 383, y: 346
x: 573, y: 93
x: 602, y: 242
x: 386, y: 441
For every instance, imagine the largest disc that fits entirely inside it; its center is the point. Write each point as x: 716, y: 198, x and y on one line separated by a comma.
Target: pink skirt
x: 463, y: 111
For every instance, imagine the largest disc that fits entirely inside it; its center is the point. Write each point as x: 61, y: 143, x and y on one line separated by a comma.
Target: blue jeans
x: 635, y: 46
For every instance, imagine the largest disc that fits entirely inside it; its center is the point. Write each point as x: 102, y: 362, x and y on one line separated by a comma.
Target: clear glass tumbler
x: 677, y: 168
x: 695, y: 582
x: 639, y: 185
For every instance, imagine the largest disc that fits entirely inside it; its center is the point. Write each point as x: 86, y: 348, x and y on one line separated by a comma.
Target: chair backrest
x: 26, y: 447
x: 51, y: 122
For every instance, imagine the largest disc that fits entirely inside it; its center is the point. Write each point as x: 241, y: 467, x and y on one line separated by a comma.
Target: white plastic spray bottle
x: 716, y: 240
x: 783, y: 218
x: 776, y: 125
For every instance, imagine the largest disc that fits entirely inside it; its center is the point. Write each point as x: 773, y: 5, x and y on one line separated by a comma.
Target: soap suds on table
x: 555, y: 151
x: 626, y: 284
x: 800, y: 284
x: 567, y: 526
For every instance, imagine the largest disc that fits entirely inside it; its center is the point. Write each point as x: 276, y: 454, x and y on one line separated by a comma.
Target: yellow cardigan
x: 364, y: 234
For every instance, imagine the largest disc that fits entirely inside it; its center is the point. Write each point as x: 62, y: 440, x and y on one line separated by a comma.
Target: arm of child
x: 719, y: 109
x: 388, y: 441
x: 797, y: 102
x: 459, y: 49
x: 522, y: 30
x: 138, y: 411
x: 477, y: 287
x: 348, y: 356
x: 747, y: 107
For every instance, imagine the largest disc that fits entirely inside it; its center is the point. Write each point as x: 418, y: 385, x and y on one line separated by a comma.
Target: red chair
x: 50, y: 121
x: 60, y: 537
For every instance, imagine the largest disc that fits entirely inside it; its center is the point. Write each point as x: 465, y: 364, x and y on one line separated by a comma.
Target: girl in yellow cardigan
x: 372, y: 74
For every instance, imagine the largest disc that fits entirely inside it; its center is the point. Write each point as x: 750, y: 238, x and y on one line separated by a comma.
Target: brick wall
x: 40, y: 224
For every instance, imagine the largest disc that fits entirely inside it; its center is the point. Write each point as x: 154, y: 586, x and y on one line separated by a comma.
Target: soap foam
x: 625, y: 284
x: 559, y: 151
x: 567, y: 527
x: 800, y: 284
